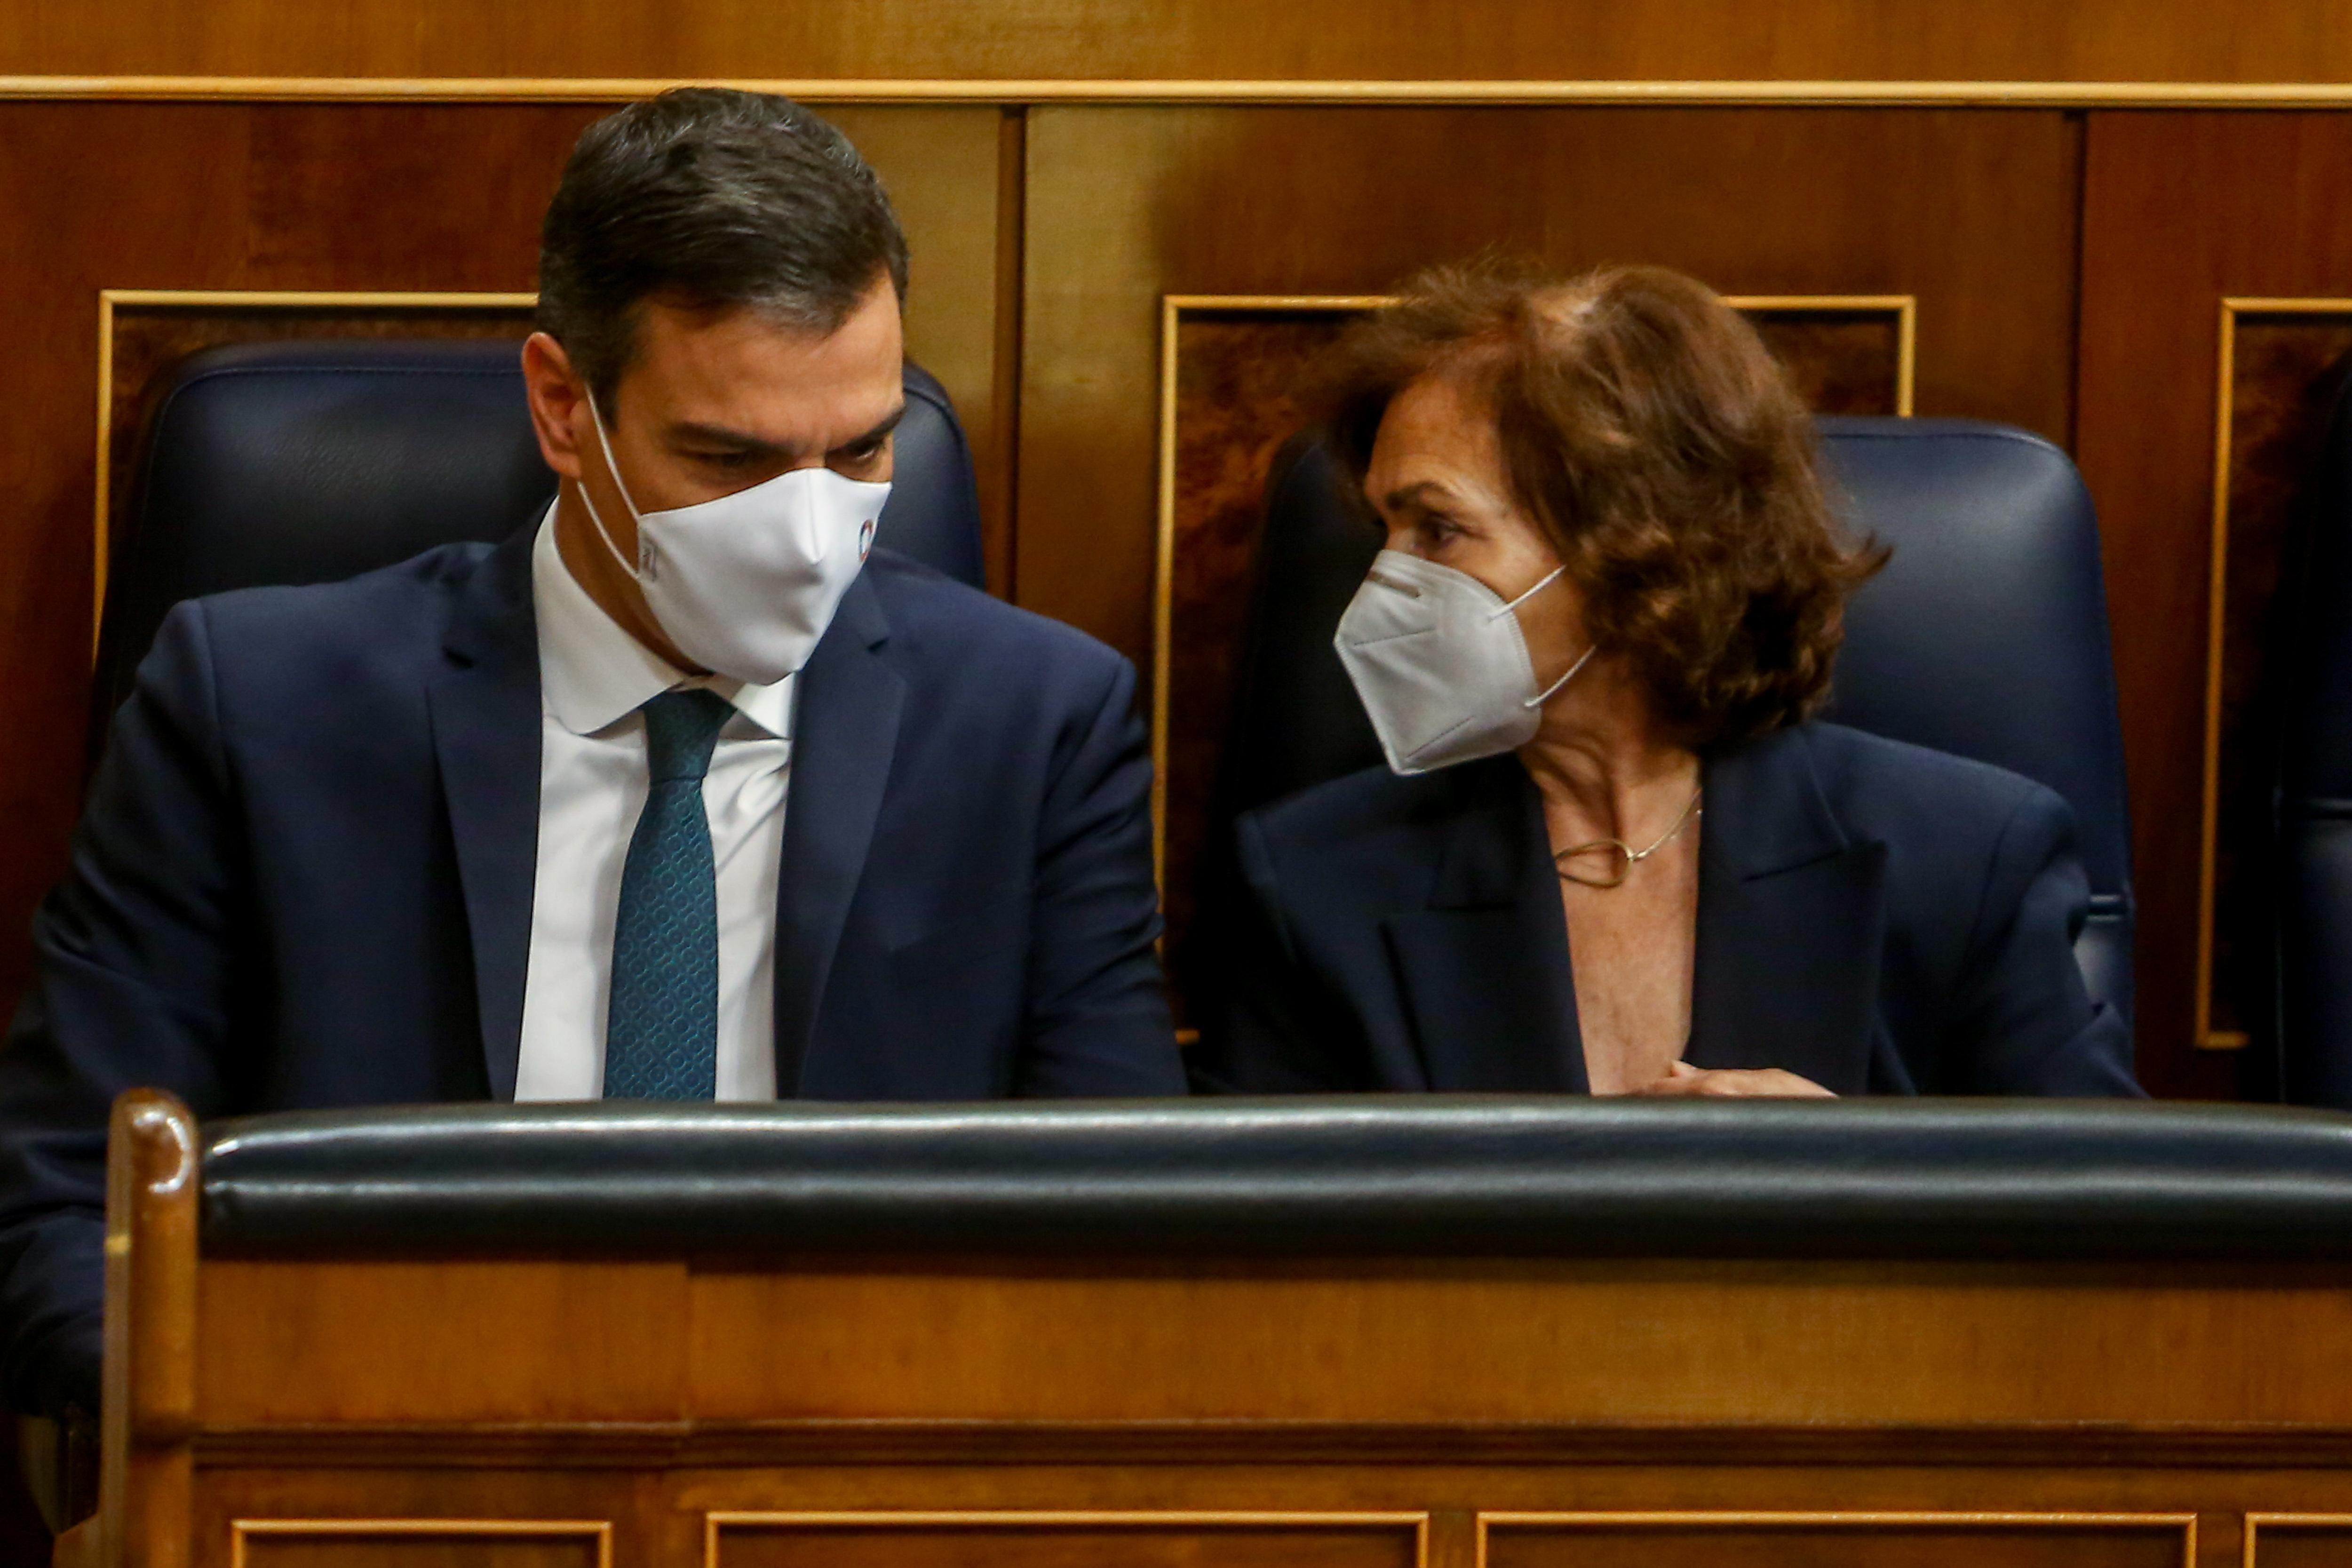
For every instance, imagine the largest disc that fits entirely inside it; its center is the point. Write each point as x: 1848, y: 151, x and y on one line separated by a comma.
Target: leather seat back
x: 309, y: 461
x: 1986, y: 635
x: 2313, y: 860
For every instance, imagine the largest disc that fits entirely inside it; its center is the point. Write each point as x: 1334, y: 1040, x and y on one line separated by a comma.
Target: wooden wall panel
x: 2180, y: 212
x: 1974, y: 214
x: 1066, y: 1541
x: 319, y: 196
x: 1833, y: 1541
x: 2258, y: 40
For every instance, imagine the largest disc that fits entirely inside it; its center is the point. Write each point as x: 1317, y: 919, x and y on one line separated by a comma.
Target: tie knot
x: 681, y: 728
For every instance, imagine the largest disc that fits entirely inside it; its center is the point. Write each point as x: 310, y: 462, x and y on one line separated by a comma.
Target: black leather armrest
x: 1375, y: 1175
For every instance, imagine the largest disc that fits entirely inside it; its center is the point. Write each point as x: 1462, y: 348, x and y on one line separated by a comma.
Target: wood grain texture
x: 363, y: 1548
x: 373, y: 197
x: 446, y: 1341
x: 1071, y: 1542
x: 1852, y: 1344
x: 1796, y: 1388
x: 1604, y: 1542
x: 2275, y: 40
x: 2179, y: 211
x: 153, y: 1338
x: 1973, y: 214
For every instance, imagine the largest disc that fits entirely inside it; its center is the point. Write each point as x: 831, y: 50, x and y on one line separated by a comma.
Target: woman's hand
x: 1761, y: 1083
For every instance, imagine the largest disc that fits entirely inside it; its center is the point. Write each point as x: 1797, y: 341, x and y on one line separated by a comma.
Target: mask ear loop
x: 613, y: 468
x: 1541, y: 697
x: 1545, y: 695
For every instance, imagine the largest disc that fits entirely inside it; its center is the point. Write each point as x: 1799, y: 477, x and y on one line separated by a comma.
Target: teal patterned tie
x: 661, y: 1026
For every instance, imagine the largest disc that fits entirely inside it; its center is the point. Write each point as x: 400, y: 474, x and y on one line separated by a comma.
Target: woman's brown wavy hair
x: 1658, y: 445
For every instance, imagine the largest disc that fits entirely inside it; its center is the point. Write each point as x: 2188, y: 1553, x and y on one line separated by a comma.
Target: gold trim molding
x: 1075, y: 1519
x: 2204, y: 1035
x: 242, y: 1531
x: 2184, y: 1522
x: 1021, y: 91
x: 109, y: 300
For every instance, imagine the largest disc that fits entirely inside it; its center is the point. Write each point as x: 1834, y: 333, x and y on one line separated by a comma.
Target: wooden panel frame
x: 242, y: 1531
x: 2185, y: 1523
x: 2203, y: 1035
x: 2255, y: 1522
x: 1019, y: 91
x: 109, y: 300
x: 1904, y: 308
x: 1075, y: 1518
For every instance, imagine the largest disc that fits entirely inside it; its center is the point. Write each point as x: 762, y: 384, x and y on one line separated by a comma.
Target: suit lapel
x: 844, y: 734
x: 1484, y: 970
x: 1790, y: 922
x: 485, y: 708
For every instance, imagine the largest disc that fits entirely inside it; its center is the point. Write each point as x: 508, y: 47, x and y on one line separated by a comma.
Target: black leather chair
x: 2313, y: 866
x: 308, y: 461
x: 1986, y: 636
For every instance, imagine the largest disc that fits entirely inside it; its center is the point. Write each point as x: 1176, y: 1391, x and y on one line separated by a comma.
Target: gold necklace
x: 1629, y: 856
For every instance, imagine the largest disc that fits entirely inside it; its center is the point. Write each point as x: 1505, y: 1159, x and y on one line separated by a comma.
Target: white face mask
x: 1439, y: 660
x: 746, y: 585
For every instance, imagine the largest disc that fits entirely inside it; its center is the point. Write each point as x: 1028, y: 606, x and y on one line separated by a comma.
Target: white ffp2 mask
x: 1441, y: 665
x: 745, y: 586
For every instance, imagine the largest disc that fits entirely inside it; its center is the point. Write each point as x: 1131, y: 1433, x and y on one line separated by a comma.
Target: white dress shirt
x: 594, y: 678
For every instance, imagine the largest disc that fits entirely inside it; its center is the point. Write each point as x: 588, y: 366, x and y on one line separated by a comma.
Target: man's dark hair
x: 709, y: 198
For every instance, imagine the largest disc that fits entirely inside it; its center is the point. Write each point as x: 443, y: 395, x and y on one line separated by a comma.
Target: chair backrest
x: 2313, y: 866
x: 309, y: 461
x: 1985, y: 635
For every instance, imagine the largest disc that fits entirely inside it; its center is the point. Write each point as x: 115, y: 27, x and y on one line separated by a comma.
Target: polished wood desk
x: 296, y: 1376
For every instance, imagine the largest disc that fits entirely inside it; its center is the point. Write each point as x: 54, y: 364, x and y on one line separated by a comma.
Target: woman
x: 1612, y: 851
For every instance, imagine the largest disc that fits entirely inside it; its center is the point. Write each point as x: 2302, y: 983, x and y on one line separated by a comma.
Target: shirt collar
x: 592, y: 674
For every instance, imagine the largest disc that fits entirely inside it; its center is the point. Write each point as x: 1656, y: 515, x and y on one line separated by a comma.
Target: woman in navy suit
x: 1612, y: 851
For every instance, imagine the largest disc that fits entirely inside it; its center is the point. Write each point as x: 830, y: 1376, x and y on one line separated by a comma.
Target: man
x: 676, y: 795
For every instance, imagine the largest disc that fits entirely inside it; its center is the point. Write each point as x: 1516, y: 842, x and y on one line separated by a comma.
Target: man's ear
x: 558, y: 400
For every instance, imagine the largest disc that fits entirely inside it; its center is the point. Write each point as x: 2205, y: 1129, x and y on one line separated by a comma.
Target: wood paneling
x: 374, y: 197
x: 1852, y: 1541
x: 2287, y: 1541
x: 2259, y: 40
x: 1974, y: 214
x: 1894, y: 1345
x: 1077, y: 1541
x: 418, y: 1543
x: 2180, y: 212
x: 277, y: 1345
x: 2283, y: 366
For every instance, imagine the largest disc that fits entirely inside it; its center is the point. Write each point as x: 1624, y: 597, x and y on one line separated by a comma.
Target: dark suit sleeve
x: 2023, y: 1023
x: 134, y: 986
x: 1098, y: 1010
x: 1275, y: 1030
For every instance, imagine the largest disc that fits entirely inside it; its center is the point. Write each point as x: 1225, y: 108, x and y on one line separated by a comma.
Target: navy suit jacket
x: 304, y: 879
x: 1874, y: 916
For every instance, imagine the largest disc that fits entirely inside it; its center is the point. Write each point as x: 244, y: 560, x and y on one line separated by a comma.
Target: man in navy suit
x: 676, y: 795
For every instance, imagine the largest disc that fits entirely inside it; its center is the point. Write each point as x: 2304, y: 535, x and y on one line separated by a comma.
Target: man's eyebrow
x: 720, y: 435
x: 884, y: 428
